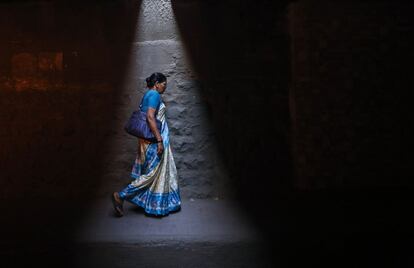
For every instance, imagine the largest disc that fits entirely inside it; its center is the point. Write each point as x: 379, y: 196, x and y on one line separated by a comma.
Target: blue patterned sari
x: 154, y: 186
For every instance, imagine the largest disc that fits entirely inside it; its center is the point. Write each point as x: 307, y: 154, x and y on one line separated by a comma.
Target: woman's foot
x: 117, y: 203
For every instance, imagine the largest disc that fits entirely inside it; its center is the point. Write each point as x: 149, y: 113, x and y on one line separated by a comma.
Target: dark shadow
x: 240, y: 51
x: 56, y: 119
x: 54, y: 135
x: 351, y: 110
x: 241, y: 59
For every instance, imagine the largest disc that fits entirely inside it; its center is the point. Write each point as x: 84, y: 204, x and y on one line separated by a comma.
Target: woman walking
x: 154, y: 186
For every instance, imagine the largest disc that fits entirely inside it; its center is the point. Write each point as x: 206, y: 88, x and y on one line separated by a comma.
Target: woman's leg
x: 117, y: 203
x: 145, y: 162
x: 118, y: 197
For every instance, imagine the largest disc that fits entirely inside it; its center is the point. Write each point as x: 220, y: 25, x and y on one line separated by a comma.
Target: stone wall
x: 252, y: 88
x: 157, y: 46
x: 71, y: 73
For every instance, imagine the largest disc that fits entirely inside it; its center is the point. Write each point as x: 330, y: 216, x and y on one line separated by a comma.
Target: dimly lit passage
x: 288, y: 123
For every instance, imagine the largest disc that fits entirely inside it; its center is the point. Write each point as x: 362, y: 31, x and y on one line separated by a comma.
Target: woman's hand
x: 160, y: 148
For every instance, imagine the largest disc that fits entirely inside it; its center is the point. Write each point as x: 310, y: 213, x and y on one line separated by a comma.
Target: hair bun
x: 154, y: 78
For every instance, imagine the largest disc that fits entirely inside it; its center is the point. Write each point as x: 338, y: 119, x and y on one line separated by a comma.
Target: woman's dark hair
x: 155, y: 77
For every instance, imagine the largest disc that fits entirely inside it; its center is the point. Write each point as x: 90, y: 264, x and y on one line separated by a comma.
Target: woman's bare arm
x: 153, y: 124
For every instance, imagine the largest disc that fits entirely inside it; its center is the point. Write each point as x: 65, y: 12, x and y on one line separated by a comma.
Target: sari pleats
x: 154, y: 184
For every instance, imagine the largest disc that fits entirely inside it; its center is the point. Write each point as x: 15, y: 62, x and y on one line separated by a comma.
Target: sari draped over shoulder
x: 154, y: 185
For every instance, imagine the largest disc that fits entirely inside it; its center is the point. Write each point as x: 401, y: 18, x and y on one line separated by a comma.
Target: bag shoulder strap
x: 142, y: 99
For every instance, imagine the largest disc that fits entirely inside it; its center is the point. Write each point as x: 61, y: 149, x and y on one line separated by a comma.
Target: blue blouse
x: 151, y: 99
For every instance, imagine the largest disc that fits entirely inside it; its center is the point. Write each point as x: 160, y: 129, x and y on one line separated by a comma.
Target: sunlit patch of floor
x: 204, y: 233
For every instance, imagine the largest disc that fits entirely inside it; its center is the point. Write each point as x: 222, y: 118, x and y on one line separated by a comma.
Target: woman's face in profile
x: 161, y: 86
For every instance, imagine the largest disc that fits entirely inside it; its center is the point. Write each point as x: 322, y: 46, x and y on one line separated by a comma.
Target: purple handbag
x: 138, y: 126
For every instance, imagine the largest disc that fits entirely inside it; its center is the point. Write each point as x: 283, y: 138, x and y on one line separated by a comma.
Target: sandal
x: 117, y: 203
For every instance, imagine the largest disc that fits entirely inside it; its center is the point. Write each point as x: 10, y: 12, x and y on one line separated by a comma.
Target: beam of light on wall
x: 158, y: 47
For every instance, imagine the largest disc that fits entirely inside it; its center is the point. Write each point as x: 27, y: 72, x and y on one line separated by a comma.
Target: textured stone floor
x: 200, y: 220
x: 358, y: 230
x: 204, y: 233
